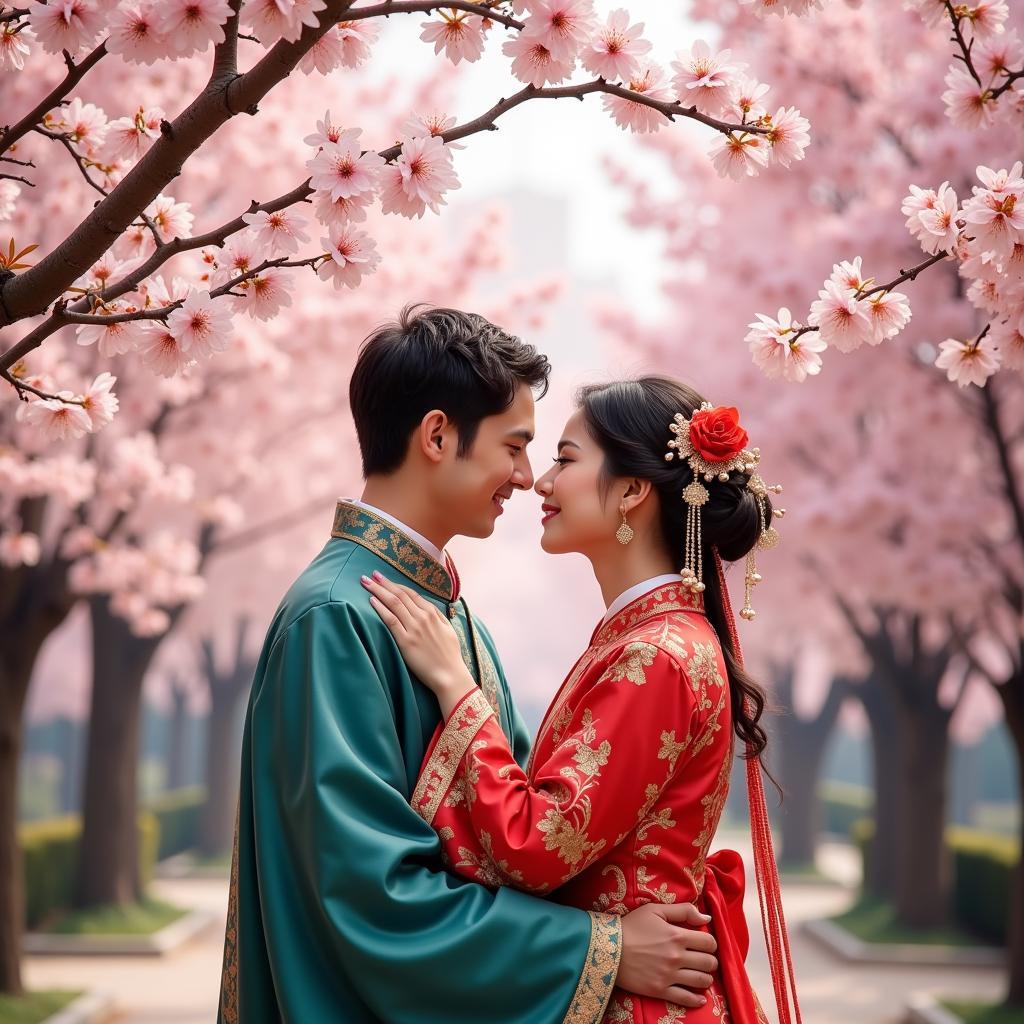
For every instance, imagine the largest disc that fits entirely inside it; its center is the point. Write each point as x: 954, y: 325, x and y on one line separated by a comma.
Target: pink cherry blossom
x: 739, y: 154
x: 130, y: 137
x: 272, y: 20
x: 849, y: 275
x: 777, y: 352
x: 427, y: 171
x: 135, y: 33
x: 353, y: 254
x: 190, y: 26
x: 938, y: 221
x: 100, y: 403
x: 1008, y: 338
x: 66, y: 24
x: 968, y: 105
x: 534, y: 63
x: 703, y: 78
x: 967, y: 362
x: 327, y: 132
x: 843, y: 321
x: 84, y: 123
x: 15, y: 45
x: 56, y: 420
x: 933, y: 12
x: 357, y: 37
x: 266, y: 294
x: 458, y: 34
x: 278, y: 232
x: 429, y: 124
x: 562, y: 26
x: 889, y: 313
x: 334, y: 212
x: 343, y: 169
x: 174, y: 219
x: 746, y: 97
x: 326, y: 54
x: 202, y: 325
x: 1002, y: 181
x: 1000, y: 54
x: 614, y: 52
x: 789, y: 135
x: 649, y: 80
x: 162, y: 352
x: 19, y: 549
x: 996, y: 215
x: 985, y: 18
x: 114, y: 338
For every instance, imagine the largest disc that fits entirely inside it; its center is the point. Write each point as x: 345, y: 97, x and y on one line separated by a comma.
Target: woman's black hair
x: 630, y: 420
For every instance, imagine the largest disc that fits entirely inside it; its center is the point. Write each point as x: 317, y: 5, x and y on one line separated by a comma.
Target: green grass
x: 33, y: 1007
x: 874, y: 921
x: 983, y: 1013
x: 141, y: 918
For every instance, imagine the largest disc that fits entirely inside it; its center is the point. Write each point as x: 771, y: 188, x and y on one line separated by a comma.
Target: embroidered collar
x: 670, y: 598
x: 398, y: 549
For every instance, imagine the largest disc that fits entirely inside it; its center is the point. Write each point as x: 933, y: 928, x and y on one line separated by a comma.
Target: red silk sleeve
x: 622, y: 744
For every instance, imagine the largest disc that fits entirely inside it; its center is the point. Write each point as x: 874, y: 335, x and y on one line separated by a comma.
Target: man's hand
x: 665, y: 956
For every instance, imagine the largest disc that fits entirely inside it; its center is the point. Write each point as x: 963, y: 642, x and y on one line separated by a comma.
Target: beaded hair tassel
x: 712, y: 442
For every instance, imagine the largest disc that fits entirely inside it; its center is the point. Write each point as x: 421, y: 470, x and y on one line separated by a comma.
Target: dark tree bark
x: 108, y: 862
x: 34, y: 601
x: 227, y: 687
x: 177, y: 736
x: 799, y: 745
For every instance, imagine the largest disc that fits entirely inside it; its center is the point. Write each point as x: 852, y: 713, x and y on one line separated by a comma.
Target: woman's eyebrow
x: 567, y: 444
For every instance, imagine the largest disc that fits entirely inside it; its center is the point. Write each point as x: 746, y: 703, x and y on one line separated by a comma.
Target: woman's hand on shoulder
x: 427, y: 640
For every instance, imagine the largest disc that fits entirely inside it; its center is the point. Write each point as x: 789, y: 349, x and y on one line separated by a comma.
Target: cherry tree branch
x: 76, y: 72
x: 958, y: 38
x: 390, y: 7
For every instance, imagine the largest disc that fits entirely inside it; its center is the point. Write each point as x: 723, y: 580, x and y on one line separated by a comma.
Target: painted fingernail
x: 707, y: 917
x: 364, y: 579
x: 702, y: 1000
x: 377, y: 575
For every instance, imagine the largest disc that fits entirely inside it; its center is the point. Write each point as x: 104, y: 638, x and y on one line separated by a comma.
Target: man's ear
x: 434, y: 435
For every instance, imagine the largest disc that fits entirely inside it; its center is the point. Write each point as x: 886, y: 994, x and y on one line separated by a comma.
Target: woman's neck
x: 618, y: 570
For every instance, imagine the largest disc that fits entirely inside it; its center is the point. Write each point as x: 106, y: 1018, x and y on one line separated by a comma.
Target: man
x: 340, y: 909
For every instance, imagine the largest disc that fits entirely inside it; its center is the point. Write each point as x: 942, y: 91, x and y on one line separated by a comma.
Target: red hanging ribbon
x: 766, y: 871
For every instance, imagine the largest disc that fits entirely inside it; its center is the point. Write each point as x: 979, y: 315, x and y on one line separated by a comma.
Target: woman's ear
x: 635, y: 494
x: 433, y: 435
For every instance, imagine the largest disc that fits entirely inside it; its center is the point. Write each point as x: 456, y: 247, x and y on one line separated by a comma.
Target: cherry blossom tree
x: 908, y: 535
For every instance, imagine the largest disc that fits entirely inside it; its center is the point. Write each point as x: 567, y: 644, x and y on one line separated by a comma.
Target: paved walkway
x: 182, y: 988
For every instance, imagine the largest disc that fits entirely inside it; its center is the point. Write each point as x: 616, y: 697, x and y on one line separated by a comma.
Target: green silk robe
x: 339, y: 907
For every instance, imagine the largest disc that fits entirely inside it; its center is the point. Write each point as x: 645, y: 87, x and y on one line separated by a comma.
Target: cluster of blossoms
x: 984, y: 234
x: 988, y: 65
x: 558, y: 34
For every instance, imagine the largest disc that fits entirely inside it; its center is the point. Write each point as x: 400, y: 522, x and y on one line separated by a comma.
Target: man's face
x: 473, y: 488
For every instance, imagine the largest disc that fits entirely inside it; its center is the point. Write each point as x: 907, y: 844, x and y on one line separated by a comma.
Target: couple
x: 397, y: 857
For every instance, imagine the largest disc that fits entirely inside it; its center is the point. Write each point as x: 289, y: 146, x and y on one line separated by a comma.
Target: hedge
x: 178, y: 813
x: 843, y: 805
x: 50, y: 857
x: 983, y: 868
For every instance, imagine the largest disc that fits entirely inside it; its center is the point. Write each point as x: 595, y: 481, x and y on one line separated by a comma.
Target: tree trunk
x: 108, y: 863
x: 216, y: 826
x: 799, y: 744
x: 12, y: 897
x: 883, y: 854
x: 1012, y: 695
x: 923, y: 874
x: 176, y: 738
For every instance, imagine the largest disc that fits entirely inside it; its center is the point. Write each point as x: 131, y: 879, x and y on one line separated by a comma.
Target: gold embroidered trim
x: 229, y: 972
x: 597, y: 982
x: 439, y: 772
x: 671, y: 598
x: 394, y: 547
x: 488, y: 674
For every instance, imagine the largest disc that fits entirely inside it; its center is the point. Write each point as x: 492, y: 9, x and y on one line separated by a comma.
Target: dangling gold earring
x: 624, y: 534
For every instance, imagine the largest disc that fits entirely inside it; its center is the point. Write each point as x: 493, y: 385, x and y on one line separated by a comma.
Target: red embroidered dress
x: 624, y: 790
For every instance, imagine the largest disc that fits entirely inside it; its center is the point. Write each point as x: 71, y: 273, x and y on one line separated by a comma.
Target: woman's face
x: 577, y: 515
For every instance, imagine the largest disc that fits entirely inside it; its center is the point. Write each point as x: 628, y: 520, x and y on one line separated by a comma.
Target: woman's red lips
x: 550, y: 511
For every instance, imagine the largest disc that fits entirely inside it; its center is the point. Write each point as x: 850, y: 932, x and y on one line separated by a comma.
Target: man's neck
x: 400, y: 498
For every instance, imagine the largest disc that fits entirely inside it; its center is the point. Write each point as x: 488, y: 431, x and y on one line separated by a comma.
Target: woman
x: 629, y: 772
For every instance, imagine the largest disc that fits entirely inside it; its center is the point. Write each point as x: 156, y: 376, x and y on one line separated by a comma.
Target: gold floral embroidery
x: 620, y: 1011
x: 633, y: 662
x: 672, y: 598
x: 591, y: 761
x: 701, y: 669
x: 612, y: 902
x: 590, y: 1000
x: 229, y: 971
x: 675, y: 1014
x: 645, y: 883
x: 401, y: 552
x: 488, y: 675
x: 439, y: 772
x: 489, y: 870
x: 713, y: 804
x: 671, y: 749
